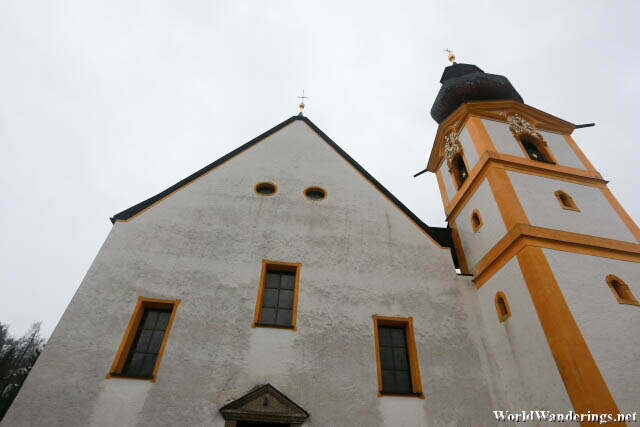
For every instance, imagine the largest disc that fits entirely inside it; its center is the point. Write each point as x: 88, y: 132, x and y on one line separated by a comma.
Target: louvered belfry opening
x: 460, y: 170
x: 531, y: 147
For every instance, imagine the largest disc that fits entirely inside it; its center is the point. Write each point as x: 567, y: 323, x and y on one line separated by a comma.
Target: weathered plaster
x: 204, y: 244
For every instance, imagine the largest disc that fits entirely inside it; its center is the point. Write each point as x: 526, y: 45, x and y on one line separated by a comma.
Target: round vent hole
x: 265, y: 188
x: 315, y: 193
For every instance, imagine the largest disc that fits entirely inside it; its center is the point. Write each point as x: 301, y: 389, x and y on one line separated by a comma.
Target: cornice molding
x: 522, y: 235
x: 493, y: 110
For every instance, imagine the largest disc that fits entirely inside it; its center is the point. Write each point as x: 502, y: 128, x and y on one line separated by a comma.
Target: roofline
x: 441, y: 235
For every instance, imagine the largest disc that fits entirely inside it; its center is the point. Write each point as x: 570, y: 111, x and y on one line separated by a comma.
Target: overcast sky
x: 104, y: 104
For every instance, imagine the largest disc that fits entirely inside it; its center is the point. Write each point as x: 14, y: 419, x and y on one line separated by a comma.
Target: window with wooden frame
x: 396, y: 357
x: 144, y: 340
x: 476, y: 220
x: 535, y: 149
x: 502, y: 307
x: 277, y: 302
x: 621, y: 290
x: 566, y: 201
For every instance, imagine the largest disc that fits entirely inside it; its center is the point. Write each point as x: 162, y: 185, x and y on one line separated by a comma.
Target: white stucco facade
x: 204, y: 244
x: 522, y: 365
x: 505, y: 143
x: 596, y: 216
x: 502, y: 138
x: 476, y: 244
x: 361, y: 255
x: 449, y: 185
x: 468, y: 148
x: 609, y: 328
x: 561, y: 150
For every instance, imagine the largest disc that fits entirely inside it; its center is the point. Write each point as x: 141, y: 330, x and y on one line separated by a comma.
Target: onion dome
x: 462, y: 83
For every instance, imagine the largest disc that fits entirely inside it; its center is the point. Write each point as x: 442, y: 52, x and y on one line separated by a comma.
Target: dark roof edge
x: 133, y: 210
x: 440, y: 234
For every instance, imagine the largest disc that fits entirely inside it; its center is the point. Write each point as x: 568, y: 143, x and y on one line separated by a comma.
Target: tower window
x: 277, y: 295
x: 315, y: 193
x: 621, y: 290
x: 265, y: 189
x: 502, y: 307
x: 397, y: 361
x: 145, y: 339
x: 566, y: 201
x: 535, y: 149
x: 459, y: 170
x: 476, y: 220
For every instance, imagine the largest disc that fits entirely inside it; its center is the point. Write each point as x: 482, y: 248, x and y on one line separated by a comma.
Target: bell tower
x: 554, y: 256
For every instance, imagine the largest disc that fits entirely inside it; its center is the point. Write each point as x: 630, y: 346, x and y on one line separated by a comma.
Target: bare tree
x: 17, y: 357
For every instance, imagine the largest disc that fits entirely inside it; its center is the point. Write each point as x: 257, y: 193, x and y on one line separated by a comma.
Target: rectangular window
x: 397, y: 361
x: 145, y: 339
x: 277, y: 295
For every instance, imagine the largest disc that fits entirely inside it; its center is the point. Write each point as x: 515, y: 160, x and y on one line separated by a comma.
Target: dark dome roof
x: 462, y: 83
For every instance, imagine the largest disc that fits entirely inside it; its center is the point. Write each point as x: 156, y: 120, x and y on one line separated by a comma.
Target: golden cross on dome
x: 452, y: 57
x: 302, y: 102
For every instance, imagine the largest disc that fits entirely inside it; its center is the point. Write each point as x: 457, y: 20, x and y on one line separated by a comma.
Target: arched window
x: 476, y: 220
x: 502, y: 307
x: 535, y: 149
x: 566, y: 201
x: 621, y: 290
x: 459, y: 170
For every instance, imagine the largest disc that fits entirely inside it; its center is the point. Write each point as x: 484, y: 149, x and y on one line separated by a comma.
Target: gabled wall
x: 204, y: 244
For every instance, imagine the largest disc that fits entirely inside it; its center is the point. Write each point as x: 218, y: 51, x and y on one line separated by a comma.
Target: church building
x: 283, y: 285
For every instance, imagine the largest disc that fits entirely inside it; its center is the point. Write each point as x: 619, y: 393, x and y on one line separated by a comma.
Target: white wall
x: 523, y: 370
x: 449, y: 185
x: 469, y: 149
x: 204, y: 244
x: 502, y: 138
x: 477, y: 244
x: 596, y: 217
x: 505, y: 143
x: 561, y: 150
x: 609, y: 328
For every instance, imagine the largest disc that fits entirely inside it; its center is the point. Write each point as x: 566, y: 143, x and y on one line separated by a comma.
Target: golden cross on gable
x: 302, y: 101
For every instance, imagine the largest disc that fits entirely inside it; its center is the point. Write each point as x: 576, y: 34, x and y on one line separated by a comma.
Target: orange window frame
x: 407, y: 322
x: 566, y: 201
x: 277, y: 266
x: 630, y: 299
x: 476, y: 225
x: 130, y: 333
x: 502, y: 316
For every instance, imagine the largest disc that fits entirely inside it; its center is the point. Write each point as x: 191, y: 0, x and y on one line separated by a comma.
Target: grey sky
x: 104, y: 104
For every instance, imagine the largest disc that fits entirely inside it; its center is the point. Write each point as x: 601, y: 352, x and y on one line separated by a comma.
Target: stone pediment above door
x: 264, y: 404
